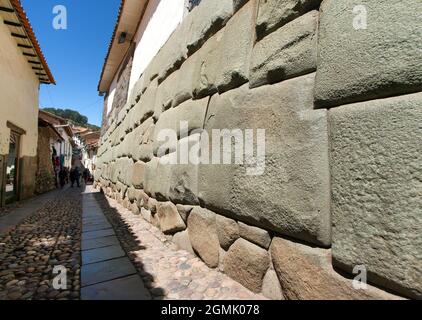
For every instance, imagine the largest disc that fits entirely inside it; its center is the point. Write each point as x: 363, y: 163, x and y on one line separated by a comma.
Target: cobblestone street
x: 51, y: 236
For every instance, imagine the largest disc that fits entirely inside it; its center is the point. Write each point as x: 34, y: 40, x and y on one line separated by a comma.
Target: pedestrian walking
x: 74, y: 176
x: 77, y: 176
x: 86, y: 175
x: 62, y: 177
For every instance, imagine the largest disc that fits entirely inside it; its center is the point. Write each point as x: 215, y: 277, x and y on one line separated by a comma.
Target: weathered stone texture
x: 237, y: 4
x: 306, y: 273
x: 376, y: 168
x: 134, y: 208
x: 138, y: 175
x: 170, y: 220
x: 288, y: 52
x: 255, y: 235
x: 203, y: 235
x: 146, y: 214
x: 207, y: 67
x: 273, y: 14
x: 379, y: 61
x: 192, y: 111
x: 228, y: 231
x: 271, y: 287
x: 184, y: 211
x: 236, y: 44
x: 167, y: 178
x: 172, y: 54
x: 177, y: 88
x: 156, y: 183
x: 136, y: 92
x: 145, y: 108
x: 205, y: 20
x: 288, y: 198
x: 247, y: 264
x: 182, y: 241
x: 125, y: 169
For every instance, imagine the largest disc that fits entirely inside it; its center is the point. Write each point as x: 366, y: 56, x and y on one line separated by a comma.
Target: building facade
x: 64, y: 148
x: 22, y: 70
x: 48, y: 136
x: 338, y: 93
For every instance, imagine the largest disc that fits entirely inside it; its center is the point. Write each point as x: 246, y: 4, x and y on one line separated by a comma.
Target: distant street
x: 106, y: 250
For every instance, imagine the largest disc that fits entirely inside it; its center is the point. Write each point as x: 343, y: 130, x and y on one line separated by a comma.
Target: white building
x: 141, y: 30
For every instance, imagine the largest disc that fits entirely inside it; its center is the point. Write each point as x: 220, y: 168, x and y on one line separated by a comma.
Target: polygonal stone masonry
x: 376, y: 170
x: 287, y: 198
x: 273, y: 14
x: 287, y: 52
x: 367, y: 49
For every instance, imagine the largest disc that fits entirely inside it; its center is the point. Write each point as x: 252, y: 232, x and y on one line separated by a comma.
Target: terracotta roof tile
x: 27, y: 25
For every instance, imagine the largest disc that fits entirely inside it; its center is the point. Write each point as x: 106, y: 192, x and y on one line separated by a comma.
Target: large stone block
x: 205, y: 20
x: 173, y: 53
x: 125, y: 168
x: 182, y: 241
x: 288, y: 52
x: 273, y: 14
x: 376, y: 169
x: 235, y: 51
x: 305, y: 273
x: 292, y: 194
x: 156, y: 181
x: 362, y: 64
x: 207, y: 67
x: 145, y: 107
x: 138, y: 175
x: 255, y: 235
x: 136, y: 92
x: 271, y: 287
x: 141, y: 146
x: 174, y: 180
x: 170, y: 220
x: 177, y: 87
x: 228, y: 231
x: 184, y: 211
x: 183, y: 184
x: 192, y: 111
x: 247, y: 264
x: 202, y: 229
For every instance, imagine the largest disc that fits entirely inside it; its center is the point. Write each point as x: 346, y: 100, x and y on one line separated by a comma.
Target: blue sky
x: 76, y: 55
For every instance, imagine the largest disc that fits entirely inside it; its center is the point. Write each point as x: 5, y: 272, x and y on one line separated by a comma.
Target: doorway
x: 12, y: 169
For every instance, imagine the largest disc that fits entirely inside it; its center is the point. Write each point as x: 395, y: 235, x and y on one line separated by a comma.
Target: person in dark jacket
x: 62, y: 177
x: 74, y: 176
x: 86, y: 175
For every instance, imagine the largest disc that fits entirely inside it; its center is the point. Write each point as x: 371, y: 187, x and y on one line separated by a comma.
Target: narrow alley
x: 107, y: 251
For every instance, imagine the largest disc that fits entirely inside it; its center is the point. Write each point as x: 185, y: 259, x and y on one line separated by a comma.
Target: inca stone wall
x: 342, y: 184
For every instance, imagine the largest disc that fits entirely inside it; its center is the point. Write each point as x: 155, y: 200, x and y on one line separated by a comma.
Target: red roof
x: 27, y: 25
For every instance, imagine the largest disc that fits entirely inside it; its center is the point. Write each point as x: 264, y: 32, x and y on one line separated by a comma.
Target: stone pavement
x: 37, y: 237
x: 10, y: 218
x: 107, y: 251
x: 107, y: 273
x: 167, y: 273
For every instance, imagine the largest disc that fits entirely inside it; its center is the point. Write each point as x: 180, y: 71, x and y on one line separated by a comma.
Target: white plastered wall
x: 160, y: 20
x: 19, y: 94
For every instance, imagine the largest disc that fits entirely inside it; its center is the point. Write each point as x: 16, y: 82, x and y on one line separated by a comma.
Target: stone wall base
x: 263, y: 262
